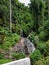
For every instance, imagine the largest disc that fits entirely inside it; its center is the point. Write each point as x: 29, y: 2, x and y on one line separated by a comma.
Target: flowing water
x: 29, y: 45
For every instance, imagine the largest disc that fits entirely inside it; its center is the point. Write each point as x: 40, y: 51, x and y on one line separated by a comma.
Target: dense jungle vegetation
x: 33, y: 21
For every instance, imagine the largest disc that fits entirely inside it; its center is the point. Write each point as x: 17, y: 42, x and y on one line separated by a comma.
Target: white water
x: 29, y: 45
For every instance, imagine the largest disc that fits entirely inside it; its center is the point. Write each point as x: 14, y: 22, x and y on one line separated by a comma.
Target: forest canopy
x: 32, y: 22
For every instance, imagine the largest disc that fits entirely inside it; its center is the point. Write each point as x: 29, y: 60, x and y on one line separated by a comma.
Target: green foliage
x: 2, y: 61
x: 1, y: 56
x: 37, y: 8
x: 27, y: 28
x: 21, y: 18
x: 42, y: 47
x: 44, y: 61
x: 4, y: 12
x: 10, y: 40
x: 35, y: 56
x: 32, y: 36
x: 18, y: 56
x: 47, y: 60
x: 33, y: 18
x: 39, y: 62
x: 42, y: 36
x: 43, y: 31
x: 47, y: 48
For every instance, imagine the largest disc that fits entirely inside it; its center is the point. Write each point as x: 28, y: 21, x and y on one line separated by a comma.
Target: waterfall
x: 29, y: 45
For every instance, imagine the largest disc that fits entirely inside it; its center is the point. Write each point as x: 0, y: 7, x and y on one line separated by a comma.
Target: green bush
x: 2, y: 61
x: 27, y: 27
x: 42, y: 47
x: 39, y: 62
x: 18, y: 29
x: 18, y: 56
x: 44, y: 61
x: 47, y: 60
x: 1, y: 56
x: 32, y: 36
x: 47, y: 48
x: 35, y: 56
x: 42, y: 36
x: 10, y: 40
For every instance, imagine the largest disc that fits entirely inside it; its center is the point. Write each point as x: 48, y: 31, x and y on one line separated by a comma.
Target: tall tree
x: 37, y: 9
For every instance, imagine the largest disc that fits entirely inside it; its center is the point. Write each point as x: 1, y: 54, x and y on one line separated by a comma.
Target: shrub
x: 32, y: 36
x: 44, y: 61
x: 47, y: 60
x: 18, y: 56
x: 47, y: 48
x: 36, y: 39
x: 35, y: 56
x: 1, y: 56
x: 42, y: 36
x: 27, y: 29
x: 10, y: 40
x: 18, y: 28
x: 39, y: 62
x: 2, y: 61
x: 42, y: 47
